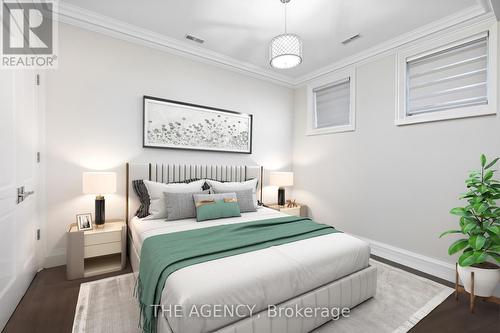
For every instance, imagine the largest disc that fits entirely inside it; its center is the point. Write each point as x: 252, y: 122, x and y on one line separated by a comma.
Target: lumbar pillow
x: 180, y: 205
x: 158, y: 206
x: 227, y: 187
x: 245, y: 200
x: 216, y: 206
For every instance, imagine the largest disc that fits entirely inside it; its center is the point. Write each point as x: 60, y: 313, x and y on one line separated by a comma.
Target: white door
x: 18, y: 168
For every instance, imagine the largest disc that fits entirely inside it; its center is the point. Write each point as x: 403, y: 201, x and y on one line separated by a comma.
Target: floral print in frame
x: 173, y: 124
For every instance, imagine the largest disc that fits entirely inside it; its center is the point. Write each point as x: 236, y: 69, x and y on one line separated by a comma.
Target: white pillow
x: 235, y: 186
x: 158, y: 205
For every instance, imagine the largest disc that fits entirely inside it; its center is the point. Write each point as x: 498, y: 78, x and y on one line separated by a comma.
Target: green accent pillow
x: 216, y: 206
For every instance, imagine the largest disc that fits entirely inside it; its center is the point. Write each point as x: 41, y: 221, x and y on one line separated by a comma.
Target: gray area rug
x: 402, y: 299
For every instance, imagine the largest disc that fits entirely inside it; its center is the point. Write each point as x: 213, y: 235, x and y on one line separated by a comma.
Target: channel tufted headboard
x: 169, y: 173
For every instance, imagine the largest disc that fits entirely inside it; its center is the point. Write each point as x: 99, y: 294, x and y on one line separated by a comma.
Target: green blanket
x: 164, y: 254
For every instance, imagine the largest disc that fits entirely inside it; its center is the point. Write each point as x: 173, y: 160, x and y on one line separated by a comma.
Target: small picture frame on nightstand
x: 84, y: 221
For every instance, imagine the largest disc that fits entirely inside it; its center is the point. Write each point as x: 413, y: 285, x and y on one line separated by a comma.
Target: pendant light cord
x: 285, y: 18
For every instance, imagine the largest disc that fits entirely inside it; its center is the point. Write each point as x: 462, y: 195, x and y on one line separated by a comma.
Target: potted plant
x: 480, y: 225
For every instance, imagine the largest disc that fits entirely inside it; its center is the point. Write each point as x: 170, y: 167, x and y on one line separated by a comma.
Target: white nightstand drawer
x: 102, y: 237
x: 102, y: 249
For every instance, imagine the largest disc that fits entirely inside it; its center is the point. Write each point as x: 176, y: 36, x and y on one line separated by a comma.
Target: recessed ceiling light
x: 350, y: 39
x: 195, y: 39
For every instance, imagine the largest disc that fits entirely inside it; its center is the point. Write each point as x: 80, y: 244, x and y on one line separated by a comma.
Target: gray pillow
x: 245, y: 200
x: 230, y: 187
x: 180, y: 205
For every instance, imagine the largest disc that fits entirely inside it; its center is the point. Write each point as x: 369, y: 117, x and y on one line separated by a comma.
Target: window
x: 453, y: 81
x: 331, y: 105
x: 449, y: 79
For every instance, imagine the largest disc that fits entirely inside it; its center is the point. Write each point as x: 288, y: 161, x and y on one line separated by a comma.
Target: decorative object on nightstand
x: 298, y: 210
x: 291, y: 204
x: 97, y: 251
x: 99, y: 183
x: 84, y: 221
x: 281, y: 179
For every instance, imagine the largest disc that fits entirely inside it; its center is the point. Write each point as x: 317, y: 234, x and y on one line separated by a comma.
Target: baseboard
x: 56, y: 258
x: 432, y: 266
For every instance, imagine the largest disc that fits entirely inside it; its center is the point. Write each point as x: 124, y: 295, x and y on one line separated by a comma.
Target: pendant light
x: 285, y: 50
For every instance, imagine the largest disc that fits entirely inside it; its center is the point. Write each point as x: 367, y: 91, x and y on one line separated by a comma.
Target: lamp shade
x: 277, y: 178
x: 99, y: 182
x: 285, y: 51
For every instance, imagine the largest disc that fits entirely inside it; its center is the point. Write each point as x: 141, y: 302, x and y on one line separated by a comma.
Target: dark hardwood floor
x: 49, y: 307
x: 452, y: 316
x: 49, y: 304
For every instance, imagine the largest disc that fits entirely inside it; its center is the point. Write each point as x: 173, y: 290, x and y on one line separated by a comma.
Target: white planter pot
x: 485, y: 280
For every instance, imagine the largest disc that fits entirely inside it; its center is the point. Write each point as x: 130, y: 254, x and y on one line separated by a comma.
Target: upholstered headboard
x: 169, y: 173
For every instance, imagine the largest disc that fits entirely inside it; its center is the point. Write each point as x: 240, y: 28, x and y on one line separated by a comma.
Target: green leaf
x: 483, y: 160
x: 467, y: 249
x: 492, y: 163
x: 494, y: 256
x: 466, y: 259
x: 480, y: 257
x: 461, y: 223
x: 470, y: 219
x: 488, y: 175
x: 480, y: 208
x: 494, y: 229
x: 491, y: 234
x: 459, y: 211
x: 450, y: 232
x: 469, y: 227
x: 495, y: 248
x: 457, y: 246
x: 483, y: 189
x: 477, y: 242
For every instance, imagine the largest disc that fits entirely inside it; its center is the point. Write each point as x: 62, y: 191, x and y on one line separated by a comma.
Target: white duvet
x: 255, y: 279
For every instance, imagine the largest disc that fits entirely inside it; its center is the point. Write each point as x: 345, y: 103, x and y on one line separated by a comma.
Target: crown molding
x: 471, y: 15
x: 491, y: 5
x: 95, y: 22
x: 486, y: 4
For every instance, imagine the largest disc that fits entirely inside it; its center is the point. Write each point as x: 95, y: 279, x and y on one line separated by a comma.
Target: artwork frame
x: 196, y: 127
x: 84, y: 221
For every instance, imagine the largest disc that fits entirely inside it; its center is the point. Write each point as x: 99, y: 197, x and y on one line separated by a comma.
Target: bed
x: 326, y: 271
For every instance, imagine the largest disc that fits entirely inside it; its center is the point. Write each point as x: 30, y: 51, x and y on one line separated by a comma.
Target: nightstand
x: 300, y: 210
x: 97, y: 251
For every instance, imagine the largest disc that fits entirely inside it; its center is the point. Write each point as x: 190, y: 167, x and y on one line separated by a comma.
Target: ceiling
x: 242, y: 29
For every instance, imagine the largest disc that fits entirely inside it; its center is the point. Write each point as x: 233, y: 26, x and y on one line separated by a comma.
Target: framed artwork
x: 84, y: 221
x: 179, y: 125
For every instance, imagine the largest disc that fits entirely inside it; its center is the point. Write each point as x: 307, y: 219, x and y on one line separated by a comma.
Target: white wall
x: 94, y: 119
x: 392, y: 184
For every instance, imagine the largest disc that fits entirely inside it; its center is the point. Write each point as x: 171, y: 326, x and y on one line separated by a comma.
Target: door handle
x: 21, y: 194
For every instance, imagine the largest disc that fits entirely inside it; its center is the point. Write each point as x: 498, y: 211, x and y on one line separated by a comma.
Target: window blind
x: 332, y: 104
x: 449, y: 79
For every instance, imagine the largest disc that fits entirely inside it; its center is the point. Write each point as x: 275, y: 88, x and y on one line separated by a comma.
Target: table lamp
x: 281, y: 179
x: 99, y: 183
